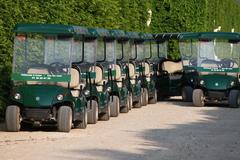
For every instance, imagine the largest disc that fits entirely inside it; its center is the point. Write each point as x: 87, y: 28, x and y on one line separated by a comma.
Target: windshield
x: 163, y: 49
x: 132, y: 50
x: 100, y: 50
x: 39, y: 57
x: 77, y: 50
x: 128, y: 48
x: 158, y: 50
x: 141, y: 51
x: 110, y: 51
x: 148, y: 49
x: 90, y: 49
x: 119, y: 50
x: 216, y: 55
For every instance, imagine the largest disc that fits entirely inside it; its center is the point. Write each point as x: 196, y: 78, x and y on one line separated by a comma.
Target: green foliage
x: 131, y: 15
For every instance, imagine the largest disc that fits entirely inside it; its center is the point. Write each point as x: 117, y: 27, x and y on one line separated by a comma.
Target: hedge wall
x: 167, y: 16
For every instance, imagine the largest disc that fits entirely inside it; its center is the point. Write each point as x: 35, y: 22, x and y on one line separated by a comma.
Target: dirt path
x: 168, y: 131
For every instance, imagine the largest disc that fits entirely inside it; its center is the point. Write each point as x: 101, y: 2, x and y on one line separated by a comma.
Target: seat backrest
x: 172, y: 67
x: 75, y: 79
x: 118, y: 72
x: 37, y: 70
x: 131, y: 68
x: 147, y: 68
x: 186, y: 62
x: 99, y: 74
x: 209, y: 65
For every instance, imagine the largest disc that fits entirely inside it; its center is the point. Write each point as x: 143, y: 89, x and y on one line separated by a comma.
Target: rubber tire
x: 153, y: 100
x: 198, y: 97
x: 125, y: 109
x: 93, y: 113
x: 139, y: 103
x: 234, y: 99
x: 114, y: 106
x: 64, y: 119
x: 187, y: 94
x: 83, y: 124
x: 130, y: 101
x: 144, y: 97
x: 12, y: 118
x: 106, y: 116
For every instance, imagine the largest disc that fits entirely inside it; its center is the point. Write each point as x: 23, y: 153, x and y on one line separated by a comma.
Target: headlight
x: 60, y: 97
x: 109, y: 89
x: 202, y: 82
x: 17, y: 96
x: 232, y: 83
x: 191, y: 80
x: 86, y: 92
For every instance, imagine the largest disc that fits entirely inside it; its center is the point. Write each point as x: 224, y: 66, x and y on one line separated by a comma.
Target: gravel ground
x: 171, y: 130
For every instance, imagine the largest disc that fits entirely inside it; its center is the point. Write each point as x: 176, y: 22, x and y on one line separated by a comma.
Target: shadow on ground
x: 178, y: 101
x: 30, y: 128
x: 217, y: 137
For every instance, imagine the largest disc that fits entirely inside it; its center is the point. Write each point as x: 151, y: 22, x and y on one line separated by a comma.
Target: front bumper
x: 38, y: 114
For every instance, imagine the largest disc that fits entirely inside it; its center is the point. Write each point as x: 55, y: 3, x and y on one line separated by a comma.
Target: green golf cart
x: 119, y: 83
x: 46, y: 90
x: 157, y: 54
x: 172, y: 79
x: 92, y: 73
x: 146, y: 60
x: 215, y: 58
x: 132, y: 70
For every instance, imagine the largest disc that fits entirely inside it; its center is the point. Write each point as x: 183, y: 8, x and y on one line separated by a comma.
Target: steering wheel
x: 57, y: 67
x: 227, y: 63
x: 193, y: 62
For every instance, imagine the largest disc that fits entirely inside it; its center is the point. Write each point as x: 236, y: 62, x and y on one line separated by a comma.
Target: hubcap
x: 96, y: 113
x: 202, y: 99
x: 238, y: 101
x: 130, y: 101
x: 85, y: 117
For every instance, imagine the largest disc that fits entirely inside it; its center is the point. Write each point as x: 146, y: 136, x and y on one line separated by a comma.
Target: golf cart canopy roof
x: 51, y: 29
x: 166, y: 36
x: 133, y: 35
x: 100, y: 32
x: 139, y: 37
x: 146, y: 36
x: 209, y: 35
x: 119, y: 34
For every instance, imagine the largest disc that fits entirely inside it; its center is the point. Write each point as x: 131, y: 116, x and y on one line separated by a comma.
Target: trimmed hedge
x: 131, y: 15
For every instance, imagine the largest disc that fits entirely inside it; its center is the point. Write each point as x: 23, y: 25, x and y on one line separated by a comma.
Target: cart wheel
x: 106, y: 116
x: 12, y: 118
x: 144, y: 97
x: 198, y: 97
x: 153, y: 100
x: 139, y: 103
x: 64, y: 119
x: 92, y: 115
x: 114, y: 106
x: 234, y: 99
x: 125, y: 109
x: 187, y: 94
x: 83, y: 124
x: 130, y: 101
